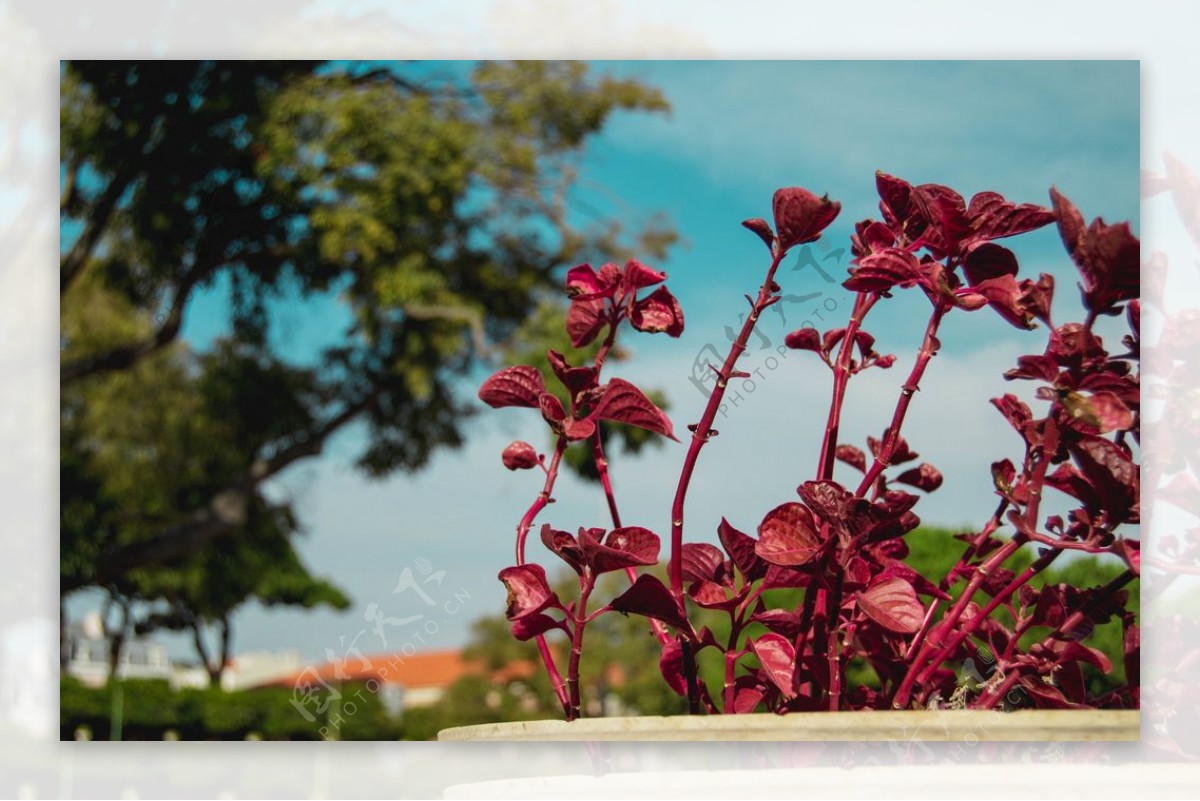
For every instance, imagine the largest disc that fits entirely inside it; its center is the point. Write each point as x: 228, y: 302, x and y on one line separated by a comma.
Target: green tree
x: 433, y: 201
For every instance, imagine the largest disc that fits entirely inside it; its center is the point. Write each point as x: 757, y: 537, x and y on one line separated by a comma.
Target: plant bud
x: 519, y: 456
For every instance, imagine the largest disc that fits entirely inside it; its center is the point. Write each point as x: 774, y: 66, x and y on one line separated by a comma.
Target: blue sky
x: 737, y: 131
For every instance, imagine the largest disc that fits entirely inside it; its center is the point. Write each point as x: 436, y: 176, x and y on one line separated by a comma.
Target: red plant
x: 844, y: 545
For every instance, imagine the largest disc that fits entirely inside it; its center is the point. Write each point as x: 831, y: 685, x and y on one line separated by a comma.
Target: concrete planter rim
x: 1067, y: 725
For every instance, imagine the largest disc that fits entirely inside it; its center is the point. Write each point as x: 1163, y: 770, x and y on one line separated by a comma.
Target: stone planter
x: 906, y: 726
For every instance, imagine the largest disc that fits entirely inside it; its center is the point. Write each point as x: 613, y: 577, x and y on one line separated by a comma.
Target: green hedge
x: 150, y: 709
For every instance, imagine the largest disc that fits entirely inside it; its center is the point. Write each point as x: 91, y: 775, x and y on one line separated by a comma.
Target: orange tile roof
x: 422, y: 669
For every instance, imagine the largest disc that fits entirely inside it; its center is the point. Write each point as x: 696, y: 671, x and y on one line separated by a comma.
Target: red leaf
x: 827, y: 499
x: 883, y: 270
x: 778, y: 659
x: 702, y: 562
x: 988, y: 261
x: 649, y: 597
x: 801, y: 216
x: 852, y: 456
x: 564, y: 546
x: 1131, y: 552
x: 760, y: 227
x: 528, y: 592
x: 787, y: 536
x: 712, y: 596
x: 526, y: 628
x: 584, y: 284
x: 747, y: 697
x: 895, y: 195
x: 638, y: 276
x: 575, y: 379
x: 993, y: 217
x: 780, y: 621
x: 658, y: 312
x: 513, y: 386
x: 741, y: 549
x: 925, y: 477
x: 625, y: 403
x: 630, y: 546
x: 804, y: 339
x: 585, y: 319
x: 1110, y: 470
x: 892, y: 604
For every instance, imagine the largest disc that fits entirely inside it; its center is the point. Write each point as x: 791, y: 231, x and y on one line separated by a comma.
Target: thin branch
x: 101, y: 215
x: 226, y: 511
x: 123, y: 356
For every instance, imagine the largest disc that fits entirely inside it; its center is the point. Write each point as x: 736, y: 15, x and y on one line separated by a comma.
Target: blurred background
x: 281, y: 283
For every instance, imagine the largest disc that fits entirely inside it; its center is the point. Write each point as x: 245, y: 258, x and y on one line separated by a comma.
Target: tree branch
x: 225, y: 512
x: 124, y: 356
x: 97, y: 223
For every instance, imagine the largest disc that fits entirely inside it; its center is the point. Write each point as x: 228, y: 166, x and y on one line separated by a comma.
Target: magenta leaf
x: 895, y: 197
x: 988, y: 261
x: 658, y: 312
x: 564, y: 546
x: 650, y: 598
x: 801, y: 216
x: 741, y: 549
x: 575, y: 379
x: 711, y: 595
x: 1131, y: 552
x: 777, y: 657
x: 519, y: 456
x: 513, y: 386
x: 920, y: 584
x: 1110, y: 470
x: 747, y: 695
x: 828, y: 500
x: 528, y: 592
x: 530, y: 626
x: 583, y: 283
x: 925, y: 477
x: 585, y: 319
x: 852, y: 456
x: 629, y: 546
x: 884, y: 270
x: 892, y: 604
x: 624, y: 403
x: 780, y: 621
x: 787, y: 536
x: 1004, y: 294
x: 638, y: 276
x: 702, y: 562
x: 760, y: 227
x: 804, y: 339
x: 993, y: 217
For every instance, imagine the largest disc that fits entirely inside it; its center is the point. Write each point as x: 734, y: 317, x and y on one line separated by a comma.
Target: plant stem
x: 587, y: 584
x: 699, y: 437
x: 702, y: 432
x: 834, y: 613
x: 892, y: 436
x: 660, y: 631
x: 543, y: 498
x: 841, y: 377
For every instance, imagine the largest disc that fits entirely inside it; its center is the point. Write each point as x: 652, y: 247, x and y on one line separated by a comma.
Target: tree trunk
x: 116, y: 638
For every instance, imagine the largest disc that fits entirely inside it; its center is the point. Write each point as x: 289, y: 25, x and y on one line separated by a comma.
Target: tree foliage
x: 431, y: 201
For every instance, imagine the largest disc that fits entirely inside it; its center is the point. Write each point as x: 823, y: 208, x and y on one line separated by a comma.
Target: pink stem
x: 660, y: 631
x: 841, y: 377
x: 699, y: 437
x: 543, y: 498
x: 892, y: 436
